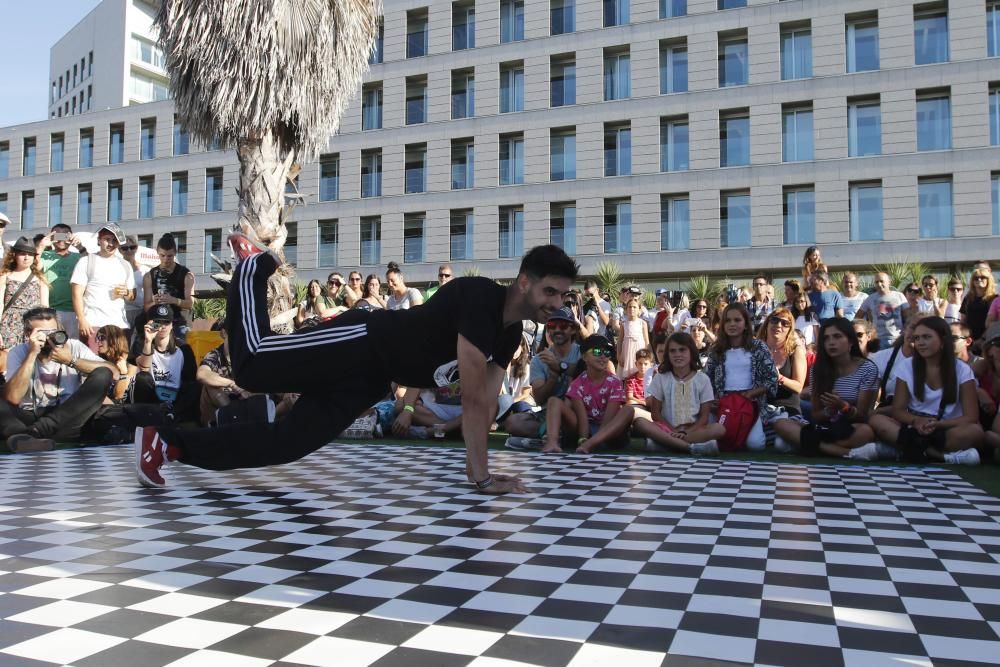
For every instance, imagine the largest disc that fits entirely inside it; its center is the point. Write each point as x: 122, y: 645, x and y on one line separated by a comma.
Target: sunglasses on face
x: 980, y: 278
x: 779, y: 322
x: 558, y: 326
x: 101, y: 338
x: 602, y: 352
x: 912, y: 290
x: 444, y: 275
x: 130, y: 248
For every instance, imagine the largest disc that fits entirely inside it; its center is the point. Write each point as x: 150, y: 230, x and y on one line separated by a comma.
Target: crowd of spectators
x: 819, y: 368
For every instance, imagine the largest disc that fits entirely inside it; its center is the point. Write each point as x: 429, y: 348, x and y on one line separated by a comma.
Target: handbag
x: 737, y: 414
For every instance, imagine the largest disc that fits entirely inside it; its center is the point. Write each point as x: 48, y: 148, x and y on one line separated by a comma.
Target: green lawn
x: 986, y: 477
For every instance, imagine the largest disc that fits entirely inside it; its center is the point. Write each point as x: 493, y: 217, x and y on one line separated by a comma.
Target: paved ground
x: 371, y: 554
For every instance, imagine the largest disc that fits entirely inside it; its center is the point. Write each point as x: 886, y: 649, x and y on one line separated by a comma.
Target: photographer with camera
x: 596, y: 309
x: 58, y: 261
x: 46, y: 397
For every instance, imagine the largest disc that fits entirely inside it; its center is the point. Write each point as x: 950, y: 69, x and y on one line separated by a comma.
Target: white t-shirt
x: 681, y: 401
x: 932, y: 397
x: 881, y: 359
x: 807, y: 327
x: 166, y: 369
x: 852, y: 304
x: 98, y: 306
x: 601, y: 328
x: 51, y: 383
x: 404, y: 302
x: 952, y: 314
x: 738, y: 375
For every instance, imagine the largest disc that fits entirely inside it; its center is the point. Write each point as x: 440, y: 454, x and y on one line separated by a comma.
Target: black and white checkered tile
x: 377, y: 555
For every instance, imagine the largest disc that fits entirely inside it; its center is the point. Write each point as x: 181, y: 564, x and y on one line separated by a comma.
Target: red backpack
x: 736, y: 414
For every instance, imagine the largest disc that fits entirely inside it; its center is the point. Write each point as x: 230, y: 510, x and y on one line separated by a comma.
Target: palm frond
x: 700, y: 287
x: 610, y: 279
x: 209, y: 309
x: 898, y: 271
x: 472, y: 271
x: 252, y: 68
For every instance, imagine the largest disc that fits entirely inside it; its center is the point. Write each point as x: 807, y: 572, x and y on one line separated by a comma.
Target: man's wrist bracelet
x: 409, y: 408
x: 484, y: 484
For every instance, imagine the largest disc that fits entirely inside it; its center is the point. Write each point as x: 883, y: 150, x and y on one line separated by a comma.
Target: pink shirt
x: 637, y: 385
x: 994, y: 308
x: 596, y: 397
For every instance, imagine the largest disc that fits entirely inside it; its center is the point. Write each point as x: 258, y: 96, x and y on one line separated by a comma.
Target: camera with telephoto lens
x: 56, y: 338
x: 732, y: 294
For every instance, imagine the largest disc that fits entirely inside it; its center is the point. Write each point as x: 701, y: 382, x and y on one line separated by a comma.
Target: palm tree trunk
x: 263, y: 174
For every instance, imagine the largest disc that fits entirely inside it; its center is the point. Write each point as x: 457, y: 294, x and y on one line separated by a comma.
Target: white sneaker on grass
x: 781, y: 445
x: 966, y: 457
x: 708, y: 448
x: 519, y: 444
x: 652, y: 445
x: 868, y: 452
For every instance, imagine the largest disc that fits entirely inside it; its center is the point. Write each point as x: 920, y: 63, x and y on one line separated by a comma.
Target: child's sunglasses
x: 602, y: 352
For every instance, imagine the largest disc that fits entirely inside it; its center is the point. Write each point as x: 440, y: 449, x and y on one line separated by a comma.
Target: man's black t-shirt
x: 418, y: 344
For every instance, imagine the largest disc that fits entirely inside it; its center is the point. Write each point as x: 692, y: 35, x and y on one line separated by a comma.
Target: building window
x: 291, y: 247
x: 413, y: 238
x: 4, y: 159
x: 30, y: 155
x: 562, y: 154
x: 146, y: 197
x: 378, y: 46
x: 933, y: 121
x: 563, y: 81
x: 734, y: 219
x: 55, y: 206
x: 511, y: 231
x: 329, y: 238
x: 862, y: 44
x: 147, y: 52
x: 84, y: 203
x: 371, y: 240
x: 733, y: 59
x: 86, y: 148
x: 995, y: 196
x: 672, y: 8
x: 213, y: 189
x: 799, y: 210
x: 511, y: 20
x: 182, y: 141
x: 930, y: 35
x: 416, y: 33
x: 329, y: 177
x: 562, y: 226
x: 675, y: 222
x: 511, y: 158
x: 995, y: 116
x: 511, y: 87
x: 934, y: 203
x: 27, y: 209
x: 116, y: 148
x: 617, y: 225
x: 114, y: 201
x: 797, y: 134
x: 463, y: 26
x: 179, y: 193
x: 371, y: 173
x: 866, y: 211
x: 674, y: 144
x: 460, y: 234
x: 463, y: 93
x: 147, y: 139
x: 673, y: 67
x: 371, y: 106
x: 617, y: 74
x: 617, y: 149
x: 562, y: 14
x: 213, y: 246
x: 416, y: 100
x: 993, y: 28
x: 796, y: 52
x: 731, y: 4
x: 415, y: 166
x: 57, y: 151
x: 864, y: 127
x: 734, y: 138
x: 147, y: 89
x: 145, y: 239
x: 463, y: 164
x: 181, y: 238
x: 616, y: 12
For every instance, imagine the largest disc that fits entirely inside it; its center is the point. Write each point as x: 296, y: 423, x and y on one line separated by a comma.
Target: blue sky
x: 31, y: 28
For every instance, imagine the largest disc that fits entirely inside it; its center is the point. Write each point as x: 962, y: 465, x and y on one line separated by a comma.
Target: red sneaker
x: 149, y: 457
x: 243, y: 247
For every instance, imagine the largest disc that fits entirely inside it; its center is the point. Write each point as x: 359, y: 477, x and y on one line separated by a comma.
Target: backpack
x: 737, y: 415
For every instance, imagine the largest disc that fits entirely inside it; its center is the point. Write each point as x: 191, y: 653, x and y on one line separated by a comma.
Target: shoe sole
x: 137, y: 455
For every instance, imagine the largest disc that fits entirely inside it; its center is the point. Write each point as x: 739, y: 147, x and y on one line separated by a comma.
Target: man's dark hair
x: 167, y: 242
x: 62, y: 226
x: 548, y: 260
x: 36, y: 314
x: 760, y: 276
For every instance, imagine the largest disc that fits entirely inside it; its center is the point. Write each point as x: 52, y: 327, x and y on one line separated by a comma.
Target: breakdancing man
x: 345, y: 365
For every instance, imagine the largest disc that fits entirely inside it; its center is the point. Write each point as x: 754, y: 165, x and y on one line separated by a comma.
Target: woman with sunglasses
x: 867, y: 337
x: 930, y: 302
x: 912, y: 305
x: 698, y: 310
x: 778, y: 333
x: 112, y: 346
x: 977, y: 304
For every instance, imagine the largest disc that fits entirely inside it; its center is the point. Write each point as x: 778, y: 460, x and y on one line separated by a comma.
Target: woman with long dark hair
x: 935, y: 409
x: 112, y: 346
x: 843, y: 386
x: 371, y: 297
x: 316, y: 307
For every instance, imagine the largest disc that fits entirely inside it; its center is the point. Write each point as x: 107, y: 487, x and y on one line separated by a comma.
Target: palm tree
x: 271, y: 79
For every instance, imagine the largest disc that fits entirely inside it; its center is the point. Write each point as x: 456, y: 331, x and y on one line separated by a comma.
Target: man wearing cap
x: 58, y: 262
x: 552, y: 370
x: 101, y: 284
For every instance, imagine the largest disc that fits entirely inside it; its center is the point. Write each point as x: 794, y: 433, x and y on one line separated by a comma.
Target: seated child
x: 680, y: 399
x: 595, y: 402
x: 638, y: 382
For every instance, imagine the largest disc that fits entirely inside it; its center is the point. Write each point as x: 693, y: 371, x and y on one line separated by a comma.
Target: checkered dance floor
x: 380, y: 555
